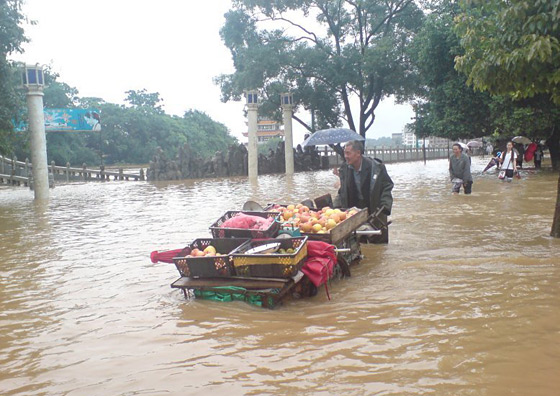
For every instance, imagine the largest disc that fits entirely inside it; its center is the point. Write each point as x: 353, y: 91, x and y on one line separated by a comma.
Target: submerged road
x: 463, y: 301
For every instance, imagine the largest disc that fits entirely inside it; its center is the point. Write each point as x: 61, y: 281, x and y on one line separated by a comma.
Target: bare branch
x: 403, y: 4
x: 302, y: 123
x: 281, y: 18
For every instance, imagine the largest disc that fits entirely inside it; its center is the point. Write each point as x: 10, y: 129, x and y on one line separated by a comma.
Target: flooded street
x: 465, y: 299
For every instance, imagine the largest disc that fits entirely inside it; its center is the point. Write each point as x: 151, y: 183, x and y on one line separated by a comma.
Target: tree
x: 447, y: 107
x: 352, y: 50
x: 513, y: 48
x: 11, y: 38
x: 149, y: 102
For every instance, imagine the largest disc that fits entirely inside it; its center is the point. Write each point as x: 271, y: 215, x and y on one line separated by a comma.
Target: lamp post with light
x: 33, y: 82
x: 287, y: 101
x: 252, y: 115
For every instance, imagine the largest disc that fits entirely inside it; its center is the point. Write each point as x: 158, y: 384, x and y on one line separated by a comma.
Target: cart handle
x: 369, y: 232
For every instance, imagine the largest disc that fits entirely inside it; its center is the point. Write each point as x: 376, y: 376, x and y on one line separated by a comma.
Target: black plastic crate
x: 208, y: 266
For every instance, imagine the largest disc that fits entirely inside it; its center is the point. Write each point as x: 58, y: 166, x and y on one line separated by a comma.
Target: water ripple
x: 462, y: 301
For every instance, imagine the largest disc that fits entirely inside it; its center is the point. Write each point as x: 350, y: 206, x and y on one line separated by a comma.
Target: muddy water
x: 463, y: 301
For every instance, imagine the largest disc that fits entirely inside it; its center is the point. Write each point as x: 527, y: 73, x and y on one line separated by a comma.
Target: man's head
x: 353, y: 153
x: 457, y: 149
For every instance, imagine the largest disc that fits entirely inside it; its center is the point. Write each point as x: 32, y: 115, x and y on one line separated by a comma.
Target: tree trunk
x: 555, y: 231
x: 553, y: 144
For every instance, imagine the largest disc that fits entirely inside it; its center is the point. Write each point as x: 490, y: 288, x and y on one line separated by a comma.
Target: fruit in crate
x: 210, y: 250
x: 312, y: 221
x: 331, y: 223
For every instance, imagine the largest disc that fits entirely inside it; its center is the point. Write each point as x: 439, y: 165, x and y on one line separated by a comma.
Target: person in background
x: 365, y: 183
x: 489, y: 149
x: 508, y: 161
x: 520, y: 151
x: 537, y: 156
x: 460, y: 170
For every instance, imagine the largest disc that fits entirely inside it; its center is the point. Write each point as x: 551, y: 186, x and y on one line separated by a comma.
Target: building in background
x: 267, y: 129
x: 397, y: 139
x: 409, y: 140
x: 408, y: 137
x: 439, y: 142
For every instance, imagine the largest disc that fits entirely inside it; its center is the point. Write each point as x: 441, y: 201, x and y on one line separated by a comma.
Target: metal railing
x: 16, y: 172
x: 395, y: 154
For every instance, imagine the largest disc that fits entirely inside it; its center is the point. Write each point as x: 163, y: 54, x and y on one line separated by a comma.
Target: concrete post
x: 252, y: 149
x: 287, y: 107
x: 40, y: 167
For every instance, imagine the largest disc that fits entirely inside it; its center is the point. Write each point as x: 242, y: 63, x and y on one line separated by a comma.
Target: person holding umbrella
x: 460, y: 170
x: 365, y: 183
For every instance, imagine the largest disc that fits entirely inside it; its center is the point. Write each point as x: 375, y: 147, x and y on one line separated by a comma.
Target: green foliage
x: 132, y: 135
x: 270, y: 144
x: 448, y: 107
x: 511, y: 48
x: 148, y: 102
x: 533, y: 117
x: 58, y: 94
x: 129, y: 134
x: 11, y: 38
x: 11, y: 33
x: 352, y: 50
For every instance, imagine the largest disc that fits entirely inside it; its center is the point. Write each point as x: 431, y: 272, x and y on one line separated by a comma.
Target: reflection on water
x: 463, y: 301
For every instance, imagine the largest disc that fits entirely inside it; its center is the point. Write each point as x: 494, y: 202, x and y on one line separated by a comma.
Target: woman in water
x: 508, y: 161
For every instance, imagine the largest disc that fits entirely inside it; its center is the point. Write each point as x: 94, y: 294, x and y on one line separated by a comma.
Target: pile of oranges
x: 311, y: 221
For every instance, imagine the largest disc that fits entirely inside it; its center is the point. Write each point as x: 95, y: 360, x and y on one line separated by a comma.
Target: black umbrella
x: 332, y: 136
x: 493, y: 162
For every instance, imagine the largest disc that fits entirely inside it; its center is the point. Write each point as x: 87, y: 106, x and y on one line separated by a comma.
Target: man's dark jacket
x: 374, y: 179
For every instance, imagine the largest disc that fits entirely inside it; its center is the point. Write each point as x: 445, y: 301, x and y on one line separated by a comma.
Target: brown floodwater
x: 465, y: 300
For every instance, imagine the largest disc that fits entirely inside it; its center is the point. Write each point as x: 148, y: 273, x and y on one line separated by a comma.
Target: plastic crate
x: 272, y: 265
x: 208, y: 266
x: 221, y: 232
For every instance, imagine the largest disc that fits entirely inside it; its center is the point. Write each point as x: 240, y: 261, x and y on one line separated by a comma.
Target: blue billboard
x: 67, y: 120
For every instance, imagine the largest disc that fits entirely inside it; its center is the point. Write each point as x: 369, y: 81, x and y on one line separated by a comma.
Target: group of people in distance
x: 508, y: 161
x: 365, y: 183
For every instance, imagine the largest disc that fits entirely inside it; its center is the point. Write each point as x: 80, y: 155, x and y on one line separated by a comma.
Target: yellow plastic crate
x: 273, y: 265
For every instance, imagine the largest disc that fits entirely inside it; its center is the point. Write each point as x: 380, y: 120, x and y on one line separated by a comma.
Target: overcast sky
x: 107, y: 47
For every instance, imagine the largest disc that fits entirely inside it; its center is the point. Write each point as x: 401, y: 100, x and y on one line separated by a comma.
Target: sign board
x: 67, y: 120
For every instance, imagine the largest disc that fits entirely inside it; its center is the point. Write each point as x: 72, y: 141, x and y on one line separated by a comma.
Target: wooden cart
x: 272, y: 292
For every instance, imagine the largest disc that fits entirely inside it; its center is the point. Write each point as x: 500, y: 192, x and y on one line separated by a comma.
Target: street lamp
x: 32, y: 79
x: 287, y: 99
x: 252, y: 97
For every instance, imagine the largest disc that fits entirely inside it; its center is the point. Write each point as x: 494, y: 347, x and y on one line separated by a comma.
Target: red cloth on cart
x: 165, y: 257
x: 248, y: 222
x: 321, y: 259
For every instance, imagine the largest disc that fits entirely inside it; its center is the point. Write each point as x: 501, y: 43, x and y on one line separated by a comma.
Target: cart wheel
x: 344, y: 267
